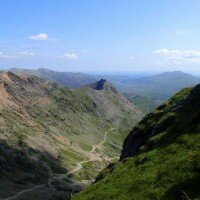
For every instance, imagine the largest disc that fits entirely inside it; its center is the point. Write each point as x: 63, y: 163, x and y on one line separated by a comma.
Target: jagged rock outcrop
x: 103, y: 84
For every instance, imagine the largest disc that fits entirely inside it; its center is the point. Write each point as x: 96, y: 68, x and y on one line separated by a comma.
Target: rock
x: 60, y: 185
x: 181, y: 195
x: 133, y: 142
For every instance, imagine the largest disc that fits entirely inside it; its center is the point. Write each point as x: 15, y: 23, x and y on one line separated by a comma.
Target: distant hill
x: 149, y: 92
x: 145, y: 92
x: 145, y: 103
x: 52, y: 136
x: 160, y: 86
x: 69, y: 79
x: 160, y: 157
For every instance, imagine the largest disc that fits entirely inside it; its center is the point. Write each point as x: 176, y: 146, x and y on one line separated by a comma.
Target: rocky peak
x: 103, y: 84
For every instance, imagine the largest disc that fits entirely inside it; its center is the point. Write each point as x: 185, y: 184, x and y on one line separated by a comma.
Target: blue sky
x: 100, y: 35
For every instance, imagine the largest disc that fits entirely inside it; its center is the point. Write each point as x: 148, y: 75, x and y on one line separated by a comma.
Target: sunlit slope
x: 59, y: 130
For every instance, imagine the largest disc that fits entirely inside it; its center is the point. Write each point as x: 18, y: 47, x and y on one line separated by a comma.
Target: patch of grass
x: 85, y: 146
x: 71, y: 155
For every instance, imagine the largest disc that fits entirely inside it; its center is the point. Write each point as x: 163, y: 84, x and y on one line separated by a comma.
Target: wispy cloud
x: 179, y: 56
x: 15, y: 55
x: 26, y: 53
x: 131, y: 57
x: 41, y: 36
x: 181, y: 32
x: 176, y: 52
x: 70, y: 56
x: 7, y: 56
x: 84, y: 51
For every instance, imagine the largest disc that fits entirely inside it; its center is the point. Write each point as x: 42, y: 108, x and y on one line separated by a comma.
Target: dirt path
x: 47, y: 192
x: 94, y: 156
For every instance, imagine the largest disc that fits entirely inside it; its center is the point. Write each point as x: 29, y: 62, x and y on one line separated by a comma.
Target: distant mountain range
x: 69, y: 79
x: 160, y: 86
x: 52, y: 136
x: 145, y: 92
x: 149, y: 92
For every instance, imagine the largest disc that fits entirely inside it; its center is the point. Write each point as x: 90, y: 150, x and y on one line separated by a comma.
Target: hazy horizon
x: 117, y: 73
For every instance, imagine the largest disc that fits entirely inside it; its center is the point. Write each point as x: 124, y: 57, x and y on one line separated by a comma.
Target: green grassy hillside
x: 145, y: 104
x: 63, y: 135
x: 160, y: 156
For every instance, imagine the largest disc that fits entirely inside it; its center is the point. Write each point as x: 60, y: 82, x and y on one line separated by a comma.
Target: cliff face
x: 103, y: 84
x: 160, y: 157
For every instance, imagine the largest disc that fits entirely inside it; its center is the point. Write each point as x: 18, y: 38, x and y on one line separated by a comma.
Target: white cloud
x: 70, y: 56
x: 178, y: 53
x: 161, y: 52
x: 15, y: 55
x: 130, y: 57
x: 26, y: 53
x: 180, y: 32
x: 84, y: 51
x: 179, y: 56
x: 7, y: 56
x: 41, y: 36
x: 167, y: 52
x: 158, y: 62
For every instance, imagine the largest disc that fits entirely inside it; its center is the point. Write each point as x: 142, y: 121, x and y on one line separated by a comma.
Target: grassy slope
x: 168, y: 161
x: 54, y: 127
x: 145, y: 104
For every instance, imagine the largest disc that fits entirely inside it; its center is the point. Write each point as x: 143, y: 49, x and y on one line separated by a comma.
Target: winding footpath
x: 43, y: 192
x: 94, y: 156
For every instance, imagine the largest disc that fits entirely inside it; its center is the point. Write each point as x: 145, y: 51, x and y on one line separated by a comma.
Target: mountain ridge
x: 69, y: 79
x: 149, y: 92
x: 55, y: 128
